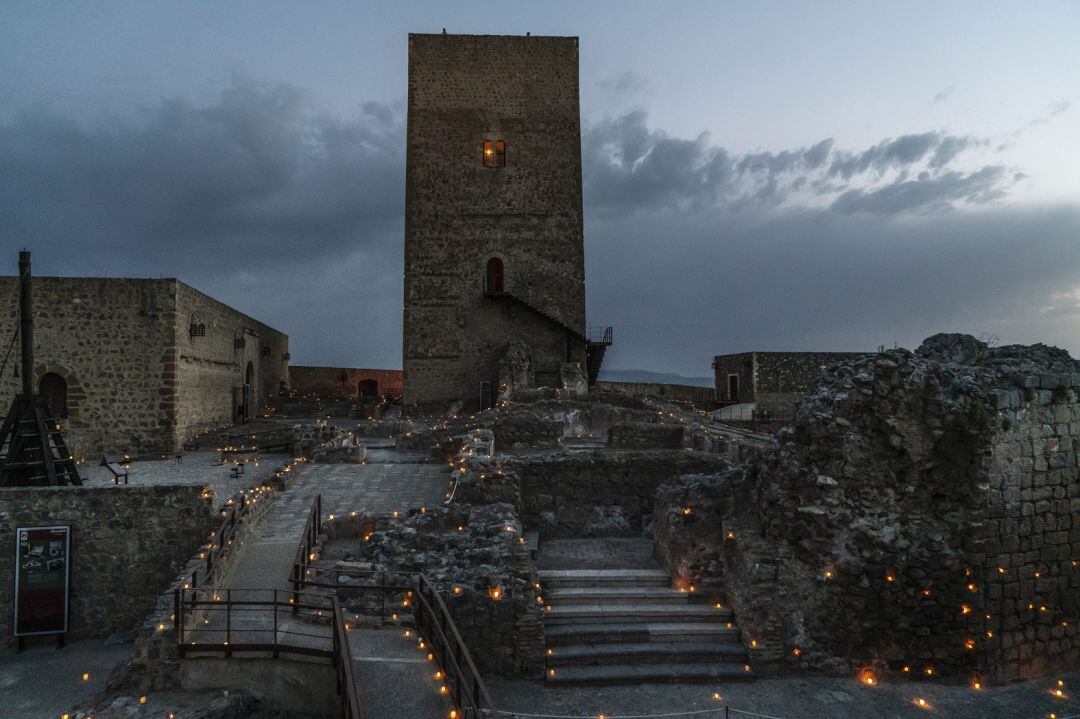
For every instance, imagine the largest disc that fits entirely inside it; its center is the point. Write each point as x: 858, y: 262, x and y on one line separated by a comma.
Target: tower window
x: 494, y: 153
x: 495, y: 284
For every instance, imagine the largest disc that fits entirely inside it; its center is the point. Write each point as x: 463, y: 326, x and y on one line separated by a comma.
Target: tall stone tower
x: 494, y: 255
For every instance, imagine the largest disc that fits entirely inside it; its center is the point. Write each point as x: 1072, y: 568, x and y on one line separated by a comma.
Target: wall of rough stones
x: 691, y: 394
x: 474, y: 557
x: 109, y: 339
x: 463, y: 90
x: 920, y: 512
x: 342, y: 381
x: 646, y: 435
x: 127, y: 544
x: 773, y: 381
x: 208, y: 368
x: 136, y: 379
x: 596, y: 493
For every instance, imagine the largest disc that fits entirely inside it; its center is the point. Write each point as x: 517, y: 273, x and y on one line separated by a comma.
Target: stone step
x: 612, y: 613
x: 639, y: 632
x: 636, y: 673
x: 646, y: 653
x: 564, y: 596
x: 553, y: 578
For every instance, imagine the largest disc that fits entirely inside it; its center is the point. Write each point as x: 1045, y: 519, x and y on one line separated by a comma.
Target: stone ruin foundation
x: 918, y: 516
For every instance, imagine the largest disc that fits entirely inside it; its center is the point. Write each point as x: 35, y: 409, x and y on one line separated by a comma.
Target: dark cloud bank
x: 296, y: 217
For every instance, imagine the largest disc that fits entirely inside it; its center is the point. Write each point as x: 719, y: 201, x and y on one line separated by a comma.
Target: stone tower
x: 494, y: 255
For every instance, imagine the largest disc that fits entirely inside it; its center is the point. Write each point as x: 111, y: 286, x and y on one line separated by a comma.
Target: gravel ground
x: 792, y: 698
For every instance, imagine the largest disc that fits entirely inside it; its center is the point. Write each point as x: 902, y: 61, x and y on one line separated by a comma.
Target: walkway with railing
x: 269, y: 605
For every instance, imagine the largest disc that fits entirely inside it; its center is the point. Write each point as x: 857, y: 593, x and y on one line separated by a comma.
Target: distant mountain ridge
x: 642, y: 375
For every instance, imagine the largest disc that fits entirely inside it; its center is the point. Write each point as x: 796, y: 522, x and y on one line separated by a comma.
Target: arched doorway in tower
x: 495, y: 277
x: 53, y: 391
x: 368, y: 388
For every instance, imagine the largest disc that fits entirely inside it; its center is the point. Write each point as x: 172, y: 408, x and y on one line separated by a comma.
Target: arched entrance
x: 368, y: 388
x: 495, y: 277
x: 53, y: 391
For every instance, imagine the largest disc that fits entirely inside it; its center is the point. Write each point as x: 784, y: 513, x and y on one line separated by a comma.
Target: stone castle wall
x: 109, y: 339
x: 920, y: 512
x: 668, y: 392
x: 342, y: 381
x: 600, y: 493
x: 136, y: 379
x: 127, y: 544
x: 209, y: 367
x: 773, y: 381
x: 459, y: 214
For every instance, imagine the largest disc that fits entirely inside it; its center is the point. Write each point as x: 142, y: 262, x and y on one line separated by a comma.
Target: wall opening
x: 494, y: 153
x: 495, y: 276
x: 368, y: 388
x: 733, y: 387
x: 53, y: 390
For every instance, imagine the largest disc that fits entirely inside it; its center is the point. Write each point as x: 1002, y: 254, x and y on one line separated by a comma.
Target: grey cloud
x: 631, y: 167
x: 943, y: 95
x: 925, y: 193
x: 296, y: 218
x: 904, y: 150
x: 250, y: 176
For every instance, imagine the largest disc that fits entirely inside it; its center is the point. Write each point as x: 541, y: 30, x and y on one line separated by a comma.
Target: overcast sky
x: 770, y: 176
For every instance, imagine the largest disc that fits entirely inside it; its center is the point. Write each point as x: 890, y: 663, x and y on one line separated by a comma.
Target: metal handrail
x: 441, y: 632
x: 472, y: 694
x: 346, y: 682
x: 187, y: 636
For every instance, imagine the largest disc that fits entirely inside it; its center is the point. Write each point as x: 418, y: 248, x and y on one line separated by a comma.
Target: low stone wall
x: 646, y: 435
x: 127, y: 543
x: 598, y: 493
x: 474, y: 557
x: 520, y: 430
x: 156, y: 661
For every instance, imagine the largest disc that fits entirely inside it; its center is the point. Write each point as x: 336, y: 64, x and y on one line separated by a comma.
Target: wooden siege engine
x: 32, y: 447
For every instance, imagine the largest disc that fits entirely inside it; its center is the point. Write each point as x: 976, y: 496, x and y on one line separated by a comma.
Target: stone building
x: 142, y: 364
x: 771, y: 381
x: 345, y: 382
x: 494, y: 249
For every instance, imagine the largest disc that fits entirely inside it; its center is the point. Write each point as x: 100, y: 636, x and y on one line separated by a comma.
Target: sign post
x: 42, y: 581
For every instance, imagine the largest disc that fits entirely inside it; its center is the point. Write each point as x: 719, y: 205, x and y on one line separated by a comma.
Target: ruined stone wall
x: 668, y: 392
x: 209, y: 367
x: 597, y: 493
x: 781, y: 379
x: 109, y: 339
x: 920, y: 512
x: 459, y: 214
x: 774, y: 381
x: 342, y: 381
x: 127, y: 544
x: 646, y: 435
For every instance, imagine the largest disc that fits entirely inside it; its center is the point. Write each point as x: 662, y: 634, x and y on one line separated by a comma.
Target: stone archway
x: 368, y: 388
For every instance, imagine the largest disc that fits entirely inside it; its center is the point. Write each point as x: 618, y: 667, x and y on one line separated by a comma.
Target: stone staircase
x: 614, y: 626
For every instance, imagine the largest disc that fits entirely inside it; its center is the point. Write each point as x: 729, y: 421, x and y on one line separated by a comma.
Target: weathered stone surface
x: 646, y: 435
x: 127, y: 544
x: 917, y: 513
x: 460, y: 214
x: 136, y: 378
